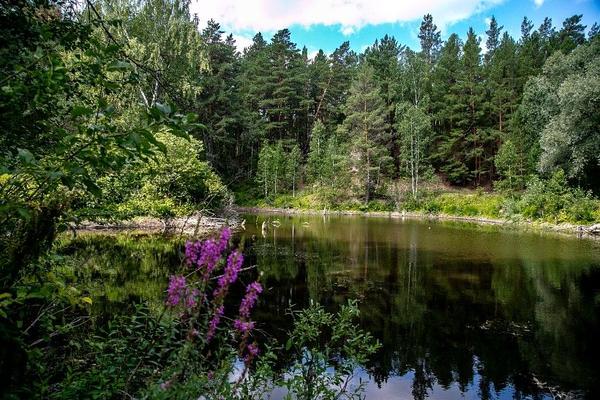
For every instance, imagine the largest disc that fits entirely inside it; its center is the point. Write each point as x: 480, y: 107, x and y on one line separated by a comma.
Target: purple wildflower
x: 205, y: 255
x: 179, y: 293
x: 214, y: 322
x: 165, y: 385
x: 225, y: 236
x: 253, y: 351
x: 192, y: 252
x: 176, y: 290
x: 249, y: 300
x: 210, y: 256
x: 243, y: 327
x: 233, y: 267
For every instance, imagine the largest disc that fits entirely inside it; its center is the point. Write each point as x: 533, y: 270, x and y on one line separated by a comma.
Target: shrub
x: 553, y: 200
x: 172, y: 183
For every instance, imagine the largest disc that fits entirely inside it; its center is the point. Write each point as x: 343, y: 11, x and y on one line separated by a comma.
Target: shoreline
x: 194, y: 225
x: 591, y: 231
x: 199, y: 225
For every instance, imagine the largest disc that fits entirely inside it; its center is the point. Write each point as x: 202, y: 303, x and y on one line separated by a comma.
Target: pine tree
x: 316, y: 155
x: 343, y: 65
x: 572, y: 34
x: 320, y: 77
x: 430, y: 39
x: 594, y: 31
x: 284, y: 88
x: 253, y: 91
x: 367, y: 132
x: 547, y: 35
x: 219, y: 105
x: 470, y: 86
x: 493, y: 38
x: 449, y: 154
x: 384, y: 57
x: 502, y: 96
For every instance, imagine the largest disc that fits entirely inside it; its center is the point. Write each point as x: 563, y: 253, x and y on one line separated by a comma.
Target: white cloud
x: 241, y: 42
x: 350, y: 15
x: 538, y: 3
x: 312, y: 54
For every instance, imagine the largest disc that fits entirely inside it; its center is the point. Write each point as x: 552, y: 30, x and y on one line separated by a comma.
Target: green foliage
x: 365, y: 129
x: 507, y: 161
x: 554, y: 201
x: 79, y: 111
x: 159, y: 35
x: 175, y: 182
x: 279, y: 169
x: 316, y: 162
x: 415, y: 136
x: 293, y: 167
x: 327, y: 349
x: 138, y: 354
x: 117, y: 359
x: 69, y: 122
x: 326, y: 160
x: 570, y: 138
x: 477, y: 204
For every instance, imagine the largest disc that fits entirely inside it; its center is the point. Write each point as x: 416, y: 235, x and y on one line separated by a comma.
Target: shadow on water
x: 462, y: 310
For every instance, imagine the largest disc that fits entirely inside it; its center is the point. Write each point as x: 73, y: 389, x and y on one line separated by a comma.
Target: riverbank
x: 201, y: 225
x: 193, y: 225
x: 565, y: 228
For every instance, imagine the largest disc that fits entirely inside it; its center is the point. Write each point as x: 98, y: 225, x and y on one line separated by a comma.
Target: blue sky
x: 325, y: 24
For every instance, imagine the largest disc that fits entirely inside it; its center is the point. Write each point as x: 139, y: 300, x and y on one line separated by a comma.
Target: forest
x: 388, y: 129
x: 117, y: 109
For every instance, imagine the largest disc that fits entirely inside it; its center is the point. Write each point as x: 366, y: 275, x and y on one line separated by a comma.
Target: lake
x: 462, y: 310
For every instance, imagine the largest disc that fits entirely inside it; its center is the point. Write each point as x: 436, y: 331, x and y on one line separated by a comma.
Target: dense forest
x: 118, y: 109
x: 365, y: 131
x: 390, y: 112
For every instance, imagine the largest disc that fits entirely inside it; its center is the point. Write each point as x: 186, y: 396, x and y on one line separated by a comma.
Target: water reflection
x: 461, y: 310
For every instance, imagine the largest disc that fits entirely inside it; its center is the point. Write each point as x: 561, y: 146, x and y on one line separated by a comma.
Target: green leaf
x: 120, y: 66
x: 78, y: 111
x: 87, y: 300
x: 163, y: 108
x: 26, y: 156
x: 150, y: 138
x: 92, y: 187
x: 24, y: 213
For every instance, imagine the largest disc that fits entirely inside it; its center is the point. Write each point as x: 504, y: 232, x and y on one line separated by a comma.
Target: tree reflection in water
x: 461, y: 309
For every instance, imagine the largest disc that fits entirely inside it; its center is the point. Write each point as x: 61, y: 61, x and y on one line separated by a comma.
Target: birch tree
x: 415, y: 135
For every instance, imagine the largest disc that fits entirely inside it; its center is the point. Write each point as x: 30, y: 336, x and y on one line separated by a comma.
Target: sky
x: 325, y: 24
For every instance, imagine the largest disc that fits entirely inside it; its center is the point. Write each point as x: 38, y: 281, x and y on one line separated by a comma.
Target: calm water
x: 462, y: 311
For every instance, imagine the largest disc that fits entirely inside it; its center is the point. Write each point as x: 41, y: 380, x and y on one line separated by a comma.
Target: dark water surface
x: 462, y: 310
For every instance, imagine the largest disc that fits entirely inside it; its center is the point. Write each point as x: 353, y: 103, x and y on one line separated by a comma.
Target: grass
x: 437, y: 201
x: 489, y: 205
